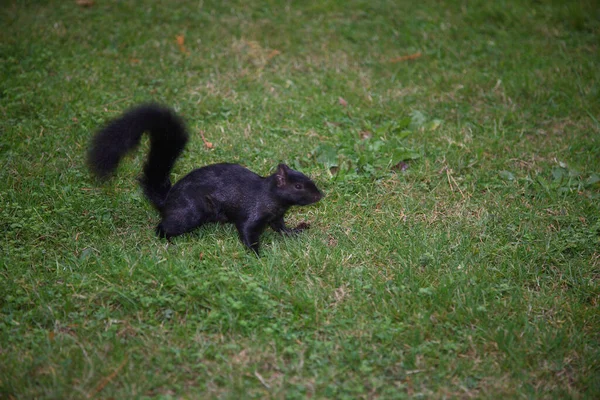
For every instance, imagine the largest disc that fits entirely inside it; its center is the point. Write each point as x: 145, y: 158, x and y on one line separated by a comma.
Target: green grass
x: 457, y: 253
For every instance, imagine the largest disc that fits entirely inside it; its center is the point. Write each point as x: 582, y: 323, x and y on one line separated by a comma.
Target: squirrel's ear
x: 281, y: 175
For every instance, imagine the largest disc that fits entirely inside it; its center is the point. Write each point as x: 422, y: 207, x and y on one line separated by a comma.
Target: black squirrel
x: 215, y: 193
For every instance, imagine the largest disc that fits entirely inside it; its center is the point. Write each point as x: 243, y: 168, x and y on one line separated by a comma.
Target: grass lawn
x: 457, y: 253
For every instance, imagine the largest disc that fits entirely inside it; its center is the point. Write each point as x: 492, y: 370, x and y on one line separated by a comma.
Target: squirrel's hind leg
x: 180, y: 221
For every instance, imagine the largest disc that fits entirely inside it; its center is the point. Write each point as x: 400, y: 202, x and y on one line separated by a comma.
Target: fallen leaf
x: 343, y: 102
x: 207, y: 144
x: 401, y: 166
x: 85, y: 3
x: 273, y: 53
x: 406, y: 58
x: 181, y: 43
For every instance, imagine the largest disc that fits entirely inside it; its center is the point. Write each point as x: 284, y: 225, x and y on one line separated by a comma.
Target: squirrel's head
x: 294, y: 187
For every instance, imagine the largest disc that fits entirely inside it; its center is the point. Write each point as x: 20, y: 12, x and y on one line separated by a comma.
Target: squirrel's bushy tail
x: 167, y: 140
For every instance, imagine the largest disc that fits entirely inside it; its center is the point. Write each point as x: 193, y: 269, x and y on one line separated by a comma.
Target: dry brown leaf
x: 207, y: 144
x: 85, y: 3
x: 181, y: 43
x: 406, y: 58
x: 273, y: 53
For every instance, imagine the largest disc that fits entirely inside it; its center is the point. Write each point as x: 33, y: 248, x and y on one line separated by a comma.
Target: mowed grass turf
x: 457, y: 253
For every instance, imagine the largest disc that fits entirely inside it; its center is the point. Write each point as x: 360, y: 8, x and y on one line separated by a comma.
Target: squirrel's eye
x: 298, y: 186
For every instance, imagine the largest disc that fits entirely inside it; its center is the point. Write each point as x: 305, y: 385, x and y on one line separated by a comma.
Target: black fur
x: 167, y: 140
x: 214, y: 193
